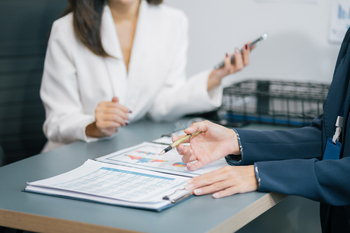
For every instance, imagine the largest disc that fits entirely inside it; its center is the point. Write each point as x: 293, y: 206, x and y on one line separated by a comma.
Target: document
x: 112, y: 184
x: 146, y: 156
x: 135, y: 177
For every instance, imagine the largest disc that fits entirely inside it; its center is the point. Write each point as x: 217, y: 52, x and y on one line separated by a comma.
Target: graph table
x: 40, y: 213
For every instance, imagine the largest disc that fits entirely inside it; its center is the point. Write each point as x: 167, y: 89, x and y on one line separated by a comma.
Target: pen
x: 179, y: 141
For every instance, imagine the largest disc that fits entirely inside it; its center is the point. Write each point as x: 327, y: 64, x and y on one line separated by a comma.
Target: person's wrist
x: 92, y: 131
x: 234, y: 143
x: 214, y: 79
x: 255, y: 182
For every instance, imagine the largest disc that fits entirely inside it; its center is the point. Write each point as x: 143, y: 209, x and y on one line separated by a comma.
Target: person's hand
x: 225, y: 181
x: 241, y: 60
x: 215, y: 142
x: 109, y: 116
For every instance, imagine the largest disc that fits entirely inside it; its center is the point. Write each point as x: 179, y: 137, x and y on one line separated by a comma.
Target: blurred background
x: 297, y: 47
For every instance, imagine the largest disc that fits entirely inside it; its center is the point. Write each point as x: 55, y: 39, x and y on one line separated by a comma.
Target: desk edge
x: 38, y: 223
x: 249, y: 213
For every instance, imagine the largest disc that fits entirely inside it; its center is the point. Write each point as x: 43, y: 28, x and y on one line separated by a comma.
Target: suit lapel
x: 142, y: 53
x: 347, y: 100
x: 139, y: 50
x: 109, y: 35
x: 338, y: 90
x: 334, y: 102
x: 115, y: 64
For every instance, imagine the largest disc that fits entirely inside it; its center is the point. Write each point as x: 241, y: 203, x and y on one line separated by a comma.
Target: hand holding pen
x: 213, y: 143
x: 179, y: 141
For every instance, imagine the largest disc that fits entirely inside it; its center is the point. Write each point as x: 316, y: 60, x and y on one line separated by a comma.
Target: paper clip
x: 178, y: 195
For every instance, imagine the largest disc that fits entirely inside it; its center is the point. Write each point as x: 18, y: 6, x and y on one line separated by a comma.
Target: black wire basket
x: 271, y: 102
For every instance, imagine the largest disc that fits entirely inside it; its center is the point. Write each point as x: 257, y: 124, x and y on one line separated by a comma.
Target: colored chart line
x: 145, y: 160
x: 180, y: 164
x: 146, y: 152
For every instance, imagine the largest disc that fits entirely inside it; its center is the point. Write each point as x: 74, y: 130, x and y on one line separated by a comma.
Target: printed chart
x: 112, y: 184
x: 119, y: 184
x: 146, y: 156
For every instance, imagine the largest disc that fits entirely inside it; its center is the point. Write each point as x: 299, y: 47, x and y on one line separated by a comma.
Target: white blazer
x: 75, y: 80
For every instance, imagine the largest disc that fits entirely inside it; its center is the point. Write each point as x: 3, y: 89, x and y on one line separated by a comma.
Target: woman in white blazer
x: 111, y: 62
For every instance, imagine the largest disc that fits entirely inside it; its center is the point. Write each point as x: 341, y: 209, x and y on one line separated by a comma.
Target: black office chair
x: 2, y: 156
x: 24, y: 27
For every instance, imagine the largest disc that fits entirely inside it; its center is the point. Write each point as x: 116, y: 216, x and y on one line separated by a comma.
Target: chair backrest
x: 24, y: 27
x: 2, y: 156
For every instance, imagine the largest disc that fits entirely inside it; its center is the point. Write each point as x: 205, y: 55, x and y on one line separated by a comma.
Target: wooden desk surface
x: 40, y: 213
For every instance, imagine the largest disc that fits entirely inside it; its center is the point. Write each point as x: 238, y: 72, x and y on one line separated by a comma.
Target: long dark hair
x: 87, y: 15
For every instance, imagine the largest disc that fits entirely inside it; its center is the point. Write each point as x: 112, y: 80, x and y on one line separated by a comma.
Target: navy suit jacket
x: 290, y: 161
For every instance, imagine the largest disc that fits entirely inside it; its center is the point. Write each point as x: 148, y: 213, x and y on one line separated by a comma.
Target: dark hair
x: 87, y: 15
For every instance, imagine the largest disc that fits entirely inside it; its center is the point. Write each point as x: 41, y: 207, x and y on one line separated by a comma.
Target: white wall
x: 297, y: 47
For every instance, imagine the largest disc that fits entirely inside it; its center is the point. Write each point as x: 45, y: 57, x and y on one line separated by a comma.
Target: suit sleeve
x: 65, y: 119
x: 299, y: 143
x: 290, y: 162
x: 179, y: 95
